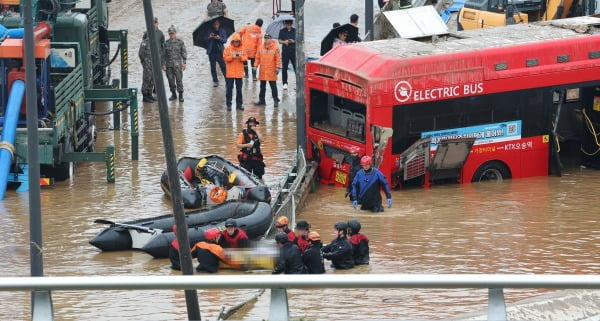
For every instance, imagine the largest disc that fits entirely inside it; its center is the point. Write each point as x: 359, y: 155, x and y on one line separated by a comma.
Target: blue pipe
x: 11, y: 116
x: 14, y: 33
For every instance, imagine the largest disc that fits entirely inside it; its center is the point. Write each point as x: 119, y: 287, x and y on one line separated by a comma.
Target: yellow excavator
x: 493, y: 13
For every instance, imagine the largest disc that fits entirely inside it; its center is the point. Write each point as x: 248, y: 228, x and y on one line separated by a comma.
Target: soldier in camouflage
x: 147, y: 76
x: 173, y: 61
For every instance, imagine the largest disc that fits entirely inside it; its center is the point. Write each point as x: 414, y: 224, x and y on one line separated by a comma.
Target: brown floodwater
x: 536, y: 225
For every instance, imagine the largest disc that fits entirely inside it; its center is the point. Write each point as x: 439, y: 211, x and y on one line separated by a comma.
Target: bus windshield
x: 337, y: 115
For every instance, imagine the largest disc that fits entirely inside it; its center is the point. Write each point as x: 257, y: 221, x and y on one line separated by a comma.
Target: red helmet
x: 211, y: 234
x: 365, y: 160
x: 354, y: 150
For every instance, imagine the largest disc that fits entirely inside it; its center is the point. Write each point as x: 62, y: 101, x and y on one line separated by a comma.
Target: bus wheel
x: 491, y: 171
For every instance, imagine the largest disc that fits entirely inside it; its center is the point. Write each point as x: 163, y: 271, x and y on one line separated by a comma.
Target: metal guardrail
x: 285, y: 193
x: 278, y: 284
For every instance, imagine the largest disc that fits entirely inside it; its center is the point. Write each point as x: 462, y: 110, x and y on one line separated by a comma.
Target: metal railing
x: 285, y: 193
x: 279, y: 309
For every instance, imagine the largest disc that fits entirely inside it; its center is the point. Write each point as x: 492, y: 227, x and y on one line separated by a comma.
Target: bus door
x: 380, y: 136
x: 449, y: 158
x: 590, y: 142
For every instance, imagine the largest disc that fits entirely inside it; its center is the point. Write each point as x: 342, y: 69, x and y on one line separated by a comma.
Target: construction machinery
x: 72, y: 60
x: 493, y: 13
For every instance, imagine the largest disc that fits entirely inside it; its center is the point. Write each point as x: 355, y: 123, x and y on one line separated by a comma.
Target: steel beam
x: 279, y: 310
x: 496, y: 305
x: 324, y: 281
x: 105, y: 94
x: 42, y: 306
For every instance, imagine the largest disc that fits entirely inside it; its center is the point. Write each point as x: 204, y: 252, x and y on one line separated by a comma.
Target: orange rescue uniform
x: 234, y: 66
x: 251, y: 39
x: 269, y: 59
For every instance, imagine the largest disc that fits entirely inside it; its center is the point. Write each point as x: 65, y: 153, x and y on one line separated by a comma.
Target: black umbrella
x: 203, y: 30
x: 327, y: 42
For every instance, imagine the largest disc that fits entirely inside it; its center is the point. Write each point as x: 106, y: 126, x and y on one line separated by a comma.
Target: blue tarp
x: 455, y: 7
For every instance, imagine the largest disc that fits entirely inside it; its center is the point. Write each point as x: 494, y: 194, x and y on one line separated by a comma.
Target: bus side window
x: 318, y: 107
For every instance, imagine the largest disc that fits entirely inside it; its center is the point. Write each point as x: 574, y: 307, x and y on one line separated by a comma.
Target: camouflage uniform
x: 216, y: 9
x: 146, y: 60
x: 175, y: 55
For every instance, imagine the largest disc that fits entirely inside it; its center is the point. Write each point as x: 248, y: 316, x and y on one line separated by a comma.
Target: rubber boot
x: 147, y: 99
x: 181, y: 96
x: 173, y: 95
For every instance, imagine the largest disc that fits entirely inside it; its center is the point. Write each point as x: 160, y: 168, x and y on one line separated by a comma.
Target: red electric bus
x: 486, y: 104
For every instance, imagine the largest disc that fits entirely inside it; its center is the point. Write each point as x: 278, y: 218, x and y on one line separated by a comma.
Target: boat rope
x: 9, y: 147
x: 590, y: 126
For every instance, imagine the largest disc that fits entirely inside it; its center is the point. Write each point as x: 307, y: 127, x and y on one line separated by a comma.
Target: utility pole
x: 41, y: 301
x: 369, y: 19
x: 187, y: 268
x: 300, y: 70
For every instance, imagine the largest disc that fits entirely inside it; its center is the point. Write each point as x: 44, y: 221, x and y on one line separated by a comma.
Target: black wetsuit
x: 339, y: 251
x: 208, y: 261
x: 290, y: 260
x: 313, y: 259
x: 360, y: 248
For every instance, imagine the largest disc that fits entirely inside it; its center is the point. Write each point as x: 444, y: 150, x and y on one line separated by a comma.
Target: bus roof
x: 489, y: 37
x: 370, y: 60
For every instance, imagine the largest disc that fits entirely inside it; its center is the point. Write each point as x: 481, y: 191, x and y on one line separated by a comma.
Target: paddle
x: 134, y: 227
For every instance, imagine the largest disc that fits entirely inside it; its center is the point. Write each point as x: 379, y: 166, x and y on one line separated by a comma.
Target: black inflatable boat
x: 154, y: 235
x: 213, y: 180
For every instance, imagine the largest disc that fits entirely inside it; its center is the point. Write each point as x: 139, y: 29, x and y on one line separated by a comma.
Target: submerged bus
x: 486, y: 104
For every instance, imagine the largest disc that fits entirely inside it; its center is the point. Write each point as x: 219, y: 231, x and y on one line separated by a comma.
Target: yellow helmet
x: 199, y: 166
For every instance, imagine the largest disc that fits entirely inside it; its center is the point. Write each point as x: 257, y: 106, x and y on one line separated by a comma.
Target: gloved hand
x: 389, y: 201
x: 355, y: 203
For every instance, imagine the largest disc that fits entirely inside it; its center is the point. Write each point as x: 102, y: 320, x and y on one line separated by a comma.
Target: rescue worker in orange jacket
x: 251, y: 157
x: 301, y: 233
x: 235, y: 58
x: 281, y: 224
x: 232, y: 236
x: 269, y: 61
x: 251, y: 41
x: 209, y: 253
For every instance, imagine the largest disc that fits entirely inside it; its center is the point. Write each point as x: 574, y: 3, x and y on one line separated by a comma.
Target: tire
x: 491, y: 171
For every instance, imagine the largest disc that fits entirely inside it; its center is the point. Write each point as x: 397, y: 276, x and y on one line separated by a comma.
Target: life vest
x: 357, y: 238
x: 291, y: 235
x: 254, y: 151
x: 234, y: 240
x: 302, y: 243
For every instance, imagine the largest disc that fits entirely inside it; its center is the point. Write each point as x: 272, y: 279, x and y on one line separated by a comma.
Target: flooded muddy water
x: 535, y: 225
